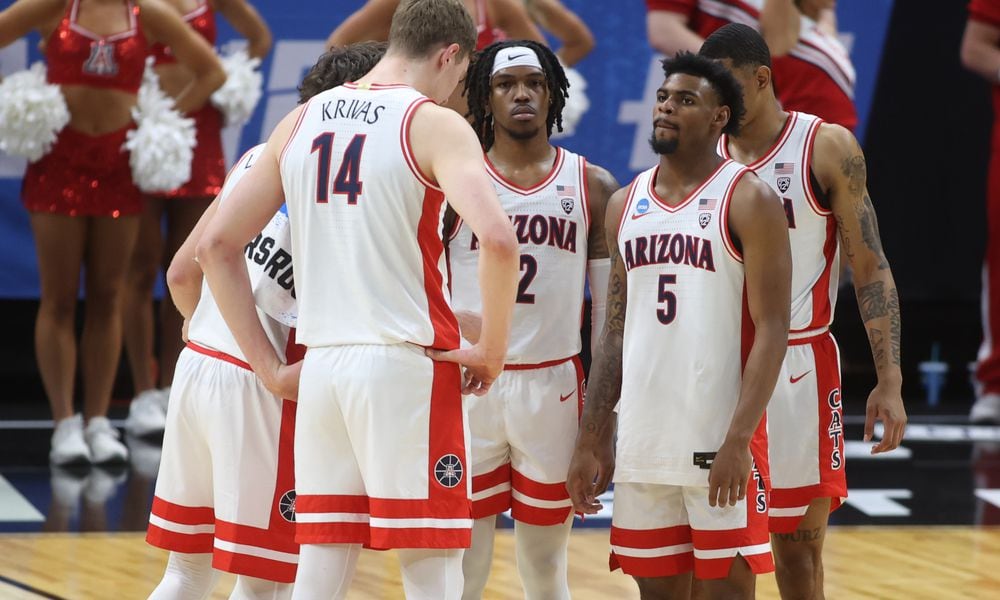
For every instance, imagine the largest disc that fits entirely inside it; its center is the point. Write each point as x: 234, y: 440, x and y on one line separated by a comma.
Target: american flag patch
x: 566, y: 190
x: 784, y: 168
x: 706, y: 204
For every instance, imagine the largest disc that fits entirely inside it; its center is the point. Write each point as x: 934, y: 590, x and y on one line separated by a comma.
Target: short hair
x: 339, y: 65
x: 739, y: 43
x: 478, y: 88
x: 722, y: 81
x: 421, y: 26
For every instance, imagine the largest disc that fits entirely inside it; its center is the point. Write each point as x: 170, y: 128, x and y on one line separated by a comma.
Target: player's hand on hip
x: 589, y: 475
x: 885, y: 404
x: 480, y: 370
x: 730, y: 472
x: 284, y: 381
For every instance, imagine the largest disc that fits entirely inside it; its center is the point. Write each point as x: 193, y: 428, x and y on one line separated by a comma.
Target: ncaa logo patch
x: 286, y: 506
x: 642, y: 206
x: 704, y: 219
x: 448, y: 470
x: 567, y: 205
x: 784, y: 183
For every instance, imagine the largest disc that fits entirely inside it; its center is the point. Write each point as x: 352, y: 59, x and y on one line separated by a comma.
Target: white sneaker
x: 104, y: 443
x: 102, y: 484
x: 147, y: 414
x: 986, y: 410
x: 68, y: 445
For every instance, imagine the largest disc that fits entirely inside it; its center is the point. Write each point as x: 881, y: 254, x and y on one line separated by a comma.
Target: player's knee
x: 58, y: 309
x: 104, y: 301
x: 798, y: 568
x: 661, y: 588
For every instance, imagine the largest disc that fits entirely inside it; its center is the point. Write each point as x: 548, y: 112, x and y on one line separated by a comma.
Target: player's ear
x: 722, y: 116
x: 763, y: 77
x: 449, y: 54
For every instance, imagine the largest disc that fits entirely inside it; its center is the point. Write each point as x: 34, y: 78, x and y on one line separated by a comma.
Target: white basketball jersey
x: 812, y: 229
x: 686, y: 328
x: 366, y: 223
x: 269, y: 262
x: 551, y: 221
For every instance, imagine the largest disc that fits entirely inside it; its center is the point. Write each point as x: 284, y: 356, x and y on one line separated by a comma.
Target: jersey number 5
x: 347, y: 181
x: 666, y: 314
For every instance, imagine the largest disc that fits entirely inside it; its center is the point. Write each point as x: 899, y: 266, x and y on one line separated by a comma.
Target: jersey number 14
x: 347, y: 181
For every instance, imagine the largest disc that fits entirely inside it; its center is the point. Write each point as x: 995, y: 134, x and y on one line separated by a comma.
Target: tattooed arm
x: 593, y: 458
x: 840, y: 166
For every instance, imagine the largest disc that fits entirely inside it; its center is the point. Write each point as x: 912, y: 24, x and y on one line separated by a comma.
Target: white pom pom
x: 32, y: 112
x: 576, y: 104
x: 162, y: 144
x: 238, y: 97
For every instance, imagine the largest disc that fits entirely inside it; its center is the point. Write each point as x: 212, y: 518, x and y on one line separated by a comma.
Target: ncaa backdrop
x: 622, y: 75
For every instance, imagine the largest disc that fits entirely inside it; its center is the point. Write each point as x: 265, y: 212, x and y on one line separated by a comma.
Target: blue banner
x: 622, y: 76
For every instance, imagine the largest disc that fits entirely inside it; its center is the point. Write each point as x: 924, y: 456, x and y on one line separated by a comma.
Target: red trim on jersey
x: 295, y: 130
x: 646, y: 539
x: 687, y: 199
x: 257, y: 536
x: 254, y: 566
x: 220, y: 356
x: 491, y: 505
x: 822, y: 310
x: 541, y: 365
x: 404, y: 144
x: 786, y: 132
x: 557, y: 164
x: 332, y: 533
x: 585, y: 194
x: 747, y: 329
x: 801, y: 497
x: 821, y: 333
x: 183, y: 515
x: 807, y: 153
x: 537, y: 489
x: 447, y: 436
x: 628, y: 205
x: 722, y: 148
x: 455, y: 228
x: 188, y: 543
x: 727, y: 200
x: 494, y: 478
x: 442, y: 318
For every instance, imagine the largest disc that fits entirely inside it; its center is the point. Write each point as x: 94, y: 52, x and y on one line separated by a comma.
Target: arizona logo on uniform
x: 101, y: 60
x: 566, y: 193
x: 286, y: 506
x: 448, y: 470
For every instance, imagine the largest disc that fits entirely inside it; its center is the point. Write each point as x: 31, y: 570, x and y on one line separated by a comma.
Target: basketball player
x: 697, y: 326
x: 812, y: 67
x: 523, y: 429
x: 380, y: 438
x: 213, y: 476
x: 819, y: 172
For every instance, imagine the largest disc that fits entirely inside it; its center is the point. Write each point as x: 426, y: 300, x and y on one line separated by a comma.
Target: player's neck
x: 758, y: 135
x: 401, y: 70
x: 680, y: 173
x: 524, y: 162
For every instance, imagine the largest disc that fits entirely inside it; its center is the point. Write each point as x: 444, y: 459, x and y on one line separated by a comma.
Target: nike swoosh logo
x: 797, y: 379
x: 639, y: 216
x: 567, y: 396
x: 513, y: 56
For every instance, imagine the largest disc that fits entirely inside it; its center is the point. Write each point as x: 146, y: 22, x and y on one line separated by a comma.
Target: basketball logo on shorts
x: 784, y: 183
x: 449, y: 470
x: 286, y: 506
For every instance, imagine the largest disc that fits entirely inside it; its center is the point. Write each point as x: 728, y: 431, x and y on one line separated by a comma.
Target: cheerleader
x: 83, y: 205
x: 182, y: 208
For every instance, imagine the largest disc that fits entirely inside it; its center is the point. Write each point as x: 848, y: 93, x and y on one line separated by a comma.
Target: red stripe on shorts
x: 254, y: 566
x: 183, y: 515
x: 188, y: 543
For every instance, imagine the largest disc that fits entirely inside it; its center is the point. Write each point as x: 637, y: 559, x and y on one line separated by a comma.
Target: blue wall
x: 622, y: 76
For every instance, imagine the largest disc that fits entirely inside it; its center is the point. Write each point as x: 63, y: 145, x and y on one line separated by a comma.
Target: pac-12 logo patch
x: 286, y: 506
x: 448, y: 470
x: 567, y: 205
x: 784, y: 183
x: 704, y: 219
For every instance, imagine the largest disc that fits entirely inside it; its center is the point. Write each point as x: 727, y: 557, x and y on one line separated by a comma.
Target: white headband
x: 515, y: 56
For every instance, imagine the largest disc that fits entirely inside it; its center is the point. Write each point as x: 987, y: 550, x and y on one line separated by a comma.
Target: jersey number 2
x: 530, y: 268
x: 347, y: 181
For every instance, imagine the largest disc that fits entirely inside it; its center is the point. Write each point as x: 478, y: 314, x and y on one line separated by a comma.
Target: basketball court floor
x: 922, y: 522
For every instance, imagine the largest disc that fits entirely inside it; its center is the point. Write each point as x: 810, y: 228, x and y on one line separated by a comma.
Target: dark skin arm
x: 593, y: 460
x: 758, y: 221
x: 601, y: 185
x: 839, y: 165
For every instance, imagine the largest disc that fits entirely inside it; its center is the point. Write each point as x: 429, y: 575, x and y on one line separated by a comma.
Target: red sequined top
x: 76, y: 56
x: 202, y: 20
x: 486, y: 33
